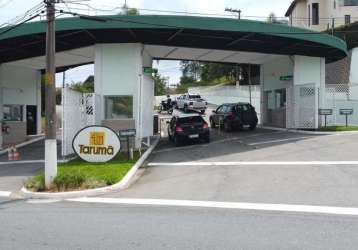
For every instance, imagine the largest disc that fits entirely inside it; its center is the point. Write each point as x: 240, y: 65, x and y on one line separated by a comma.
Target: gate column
x: 308, y: 91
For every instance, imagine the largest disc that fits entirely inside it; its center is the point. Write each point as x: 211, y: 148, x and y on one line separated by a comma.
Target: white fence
x: 342, y: 96
x: 78, y: 112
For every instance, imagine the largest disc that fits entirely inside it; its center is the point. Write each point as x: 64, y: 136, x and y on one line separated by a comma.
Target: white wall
x: 272, y: 70
x: 147, y: 99
x: 119, y: 71
x: 21, y: 86
x: 307, y: 70
x: 353, y: 78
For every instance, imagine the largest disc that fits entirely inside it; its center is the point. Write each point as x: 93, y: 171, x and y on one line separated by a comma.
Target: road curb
x: 310, y: 132
x: 98, y: 191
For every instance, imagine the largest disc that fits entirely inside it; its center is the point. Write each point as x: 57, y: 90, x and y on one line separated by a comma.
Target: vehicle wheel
x: 253, y: 126
x: 177, y: 142
x: 212, y: 123
x: 227, y: 127
x: 185, y: 109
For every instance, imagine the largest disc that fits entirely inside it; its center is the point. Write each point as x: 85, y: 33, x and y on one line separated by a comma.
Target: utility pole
x: 249, y: 73
x: 234, y: 11
x: 50, y: 97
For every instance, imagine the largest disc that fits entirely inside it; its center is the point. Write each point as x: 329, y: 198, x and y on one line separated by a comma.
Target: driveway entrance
x: 291, y: 170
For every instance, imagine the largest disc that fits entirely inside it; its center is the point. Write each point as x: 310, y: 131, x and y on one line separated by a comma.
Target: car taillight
x: 205, y: 126
x: 179, y: 129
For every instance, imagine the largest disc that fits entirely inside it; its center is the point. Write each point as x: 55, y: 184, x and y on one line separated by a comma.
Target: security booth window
x: 118, y: 107
x: 13, y: 113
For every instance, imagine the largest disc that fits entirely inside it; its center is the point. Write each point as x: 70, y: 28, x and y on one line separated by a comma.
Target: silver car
x: 190, y: 102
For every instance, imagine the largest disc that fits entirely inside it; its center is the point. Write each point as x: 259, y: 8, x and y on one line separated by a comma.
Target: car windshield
x: 190, y: 119
x: 194, y: 96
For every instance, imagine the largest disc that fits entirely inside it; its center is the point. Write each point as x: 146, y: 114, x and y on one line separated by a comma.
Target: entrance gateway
x: 121, y: 47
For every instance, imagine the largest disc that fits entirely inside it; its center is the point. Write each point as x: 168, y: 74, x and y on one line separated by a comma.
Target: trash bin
x: 156, y: 124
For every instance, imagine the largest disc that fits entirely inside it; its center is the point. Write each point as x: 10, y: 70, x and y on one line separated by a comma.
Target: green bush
x: 36, y: 183
x: 69, y: 181
x: 91, y: 183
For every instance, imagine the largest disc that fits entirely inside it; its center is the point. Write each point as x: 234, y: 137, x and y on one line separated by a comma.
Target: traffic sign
x: 346, y: 111
x: 149, y: 70
x: 286, y: 78
x: 325, y: 111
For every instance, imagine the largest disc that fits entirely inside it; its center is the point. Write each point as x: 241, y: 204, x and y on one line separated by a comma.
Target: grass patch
x: 339, y: 128
x: 79, y: 175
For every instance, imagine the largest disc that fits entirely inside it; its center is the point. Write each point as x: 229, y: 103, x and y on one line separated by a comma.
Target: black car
x: 234, y: 116
x: 187, y: 127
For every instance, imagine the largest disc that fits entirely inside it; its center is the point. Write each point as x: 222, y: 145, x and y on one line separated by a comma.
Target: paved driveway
x: 331, y: 184
x: 13, y: 175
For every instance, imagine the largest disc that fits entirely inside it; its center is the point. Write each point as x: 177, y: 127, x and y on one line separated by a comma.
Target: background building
x: 328, y: 15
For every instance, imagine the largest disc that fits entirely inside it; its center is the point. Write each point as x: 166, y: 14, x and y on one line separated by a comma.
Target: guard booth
x: 122, y: 47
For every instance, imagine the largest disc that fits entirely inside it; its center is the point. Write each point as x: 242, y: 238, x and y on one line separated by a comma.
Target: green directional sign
x: 149, y: 70
x: 286, y: 78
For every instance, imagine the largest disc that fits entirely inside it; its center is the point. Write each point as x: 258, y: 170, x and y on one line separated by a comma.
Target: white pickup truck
x: 191, y: 102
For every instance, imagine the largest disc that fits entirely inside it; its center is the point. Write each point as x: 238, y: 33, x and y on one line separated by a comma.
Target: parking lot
x: 264, y: 166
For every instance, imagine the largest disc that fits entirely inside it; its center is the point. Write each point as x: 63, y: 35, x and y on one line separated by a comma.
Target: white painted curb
x: 94, y: 192
x: 310, y: 132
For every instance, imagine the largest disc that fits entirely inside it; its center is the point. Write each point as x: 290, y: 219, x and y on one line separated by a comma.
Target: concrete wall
x: 20, y: 86
x: 272, y: 70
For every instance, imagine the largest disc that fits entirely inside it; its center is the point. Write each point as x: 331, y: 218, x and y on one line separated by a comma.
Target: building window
x: 309, y: 15
x: 118, y: 107
x: 347, y: 19
x: 13, y: 113
x: 315, y: 14
x: 349, y: 3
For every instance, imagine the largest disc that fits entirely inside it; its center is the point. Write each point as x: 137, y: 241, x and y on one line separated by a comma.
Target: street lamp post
x: 50, y: 97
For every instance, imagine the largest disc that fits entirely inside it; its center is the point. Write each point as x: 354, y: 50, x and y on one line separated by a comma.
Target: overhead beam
x: 170, y: 52
x: 175, y: 34
x: 204, y: 54
x: 133, y: 35
x: 240, y: 39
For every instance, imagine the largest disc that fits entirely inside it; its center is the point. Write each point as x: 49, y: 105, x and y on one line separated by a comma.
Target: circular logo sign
x: 96, y: 144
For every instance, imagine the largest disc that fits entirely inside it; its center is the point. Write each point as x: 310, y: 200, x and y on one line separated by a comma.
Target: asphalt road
x: 94, y: 226
x: 13, y: 176
x: 322, y: 184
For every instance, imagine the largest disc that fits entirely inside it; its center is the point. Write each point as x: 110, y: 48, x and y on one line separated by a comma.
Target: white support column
x: 263, y: 108
x: 119, y: 72
x: 309, y: 77
x: 1, y: 106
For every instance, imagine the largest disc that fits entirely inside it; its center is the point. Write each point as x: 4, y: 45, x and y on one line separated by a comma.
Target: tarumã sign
x: 96, y: 144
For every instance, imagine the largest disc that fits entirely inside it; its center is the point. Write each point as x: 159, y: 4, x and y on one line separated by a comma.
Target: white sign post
x: 96, y: 144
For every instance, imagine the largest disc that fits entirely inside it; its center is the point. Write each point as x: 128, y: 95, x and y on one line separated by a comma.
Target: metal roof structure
x: 28, y: 40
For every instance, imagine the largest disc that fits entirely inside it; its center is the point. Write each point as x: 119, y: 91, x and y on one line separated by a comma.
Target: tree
x: 272, y: 18
x: 127, y: 11
x: 159, y: 84
x: 191, y: 69
x: 84, y: 87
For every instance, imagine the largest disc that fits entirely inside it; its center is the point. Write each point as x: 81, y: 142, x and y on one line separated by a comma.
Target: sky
x: 9, y: 9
